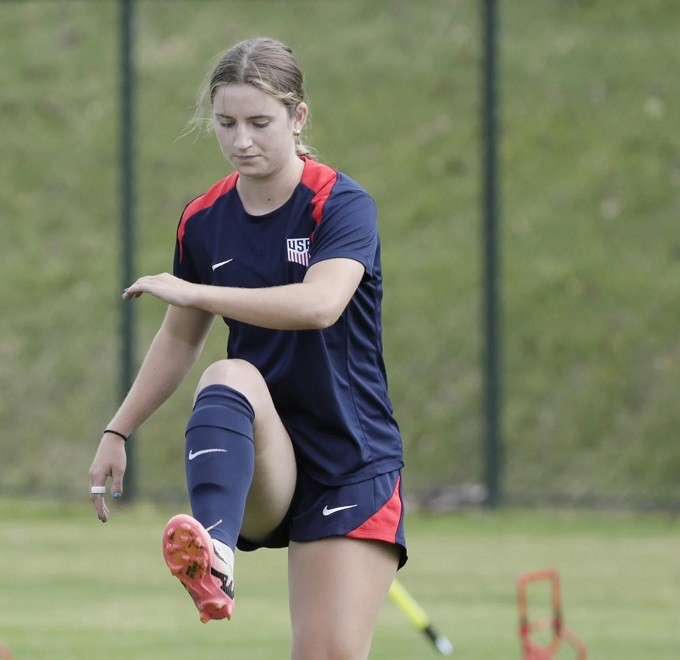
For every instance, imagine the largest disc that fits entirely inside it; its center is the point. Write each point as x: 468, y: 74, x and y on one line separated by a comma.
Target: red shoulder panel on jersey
x: 320, y: 179
x: 204, y: 201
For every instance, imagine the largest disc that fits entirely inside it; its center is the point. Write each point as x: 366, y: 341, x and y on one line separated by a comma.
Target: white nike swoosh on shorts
x: 193, y: 454
x: 327, y: 512
x: 222, y: 263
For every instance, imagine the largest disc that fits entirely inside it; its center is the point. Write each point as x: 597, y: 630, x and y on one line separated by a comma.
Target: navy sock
x: 220, y: 459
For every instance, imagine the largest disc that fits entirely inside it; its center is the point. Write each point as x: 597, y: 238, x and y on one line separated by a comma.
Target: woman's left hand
x: 168, y: 288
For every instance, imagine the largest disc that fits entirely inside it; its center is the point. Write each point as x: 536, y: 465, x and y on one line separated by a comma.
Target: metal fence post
x: 491, y: 357
x: 127, y: 199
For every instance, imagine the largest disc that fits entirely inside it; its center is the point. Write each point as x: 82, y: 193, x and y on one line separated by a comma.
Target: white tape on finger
x: 98, y: 490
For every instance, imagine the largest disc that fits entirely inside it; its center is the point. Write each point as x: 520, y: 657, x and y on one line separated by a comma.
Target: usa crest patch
x: 298, y: 250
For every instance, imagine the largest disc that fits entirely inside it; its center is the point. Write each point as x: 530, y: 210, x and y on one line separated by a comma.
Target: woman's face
x: 254, y: 130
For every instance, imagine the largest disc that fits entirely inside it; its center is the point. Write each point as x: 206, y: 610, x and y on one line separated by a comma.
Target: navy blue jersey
x: 329, y: 386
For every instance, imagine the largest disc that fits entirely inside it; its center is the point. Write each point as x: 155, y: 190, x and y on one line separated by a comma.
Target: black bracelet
x: 120, y: 435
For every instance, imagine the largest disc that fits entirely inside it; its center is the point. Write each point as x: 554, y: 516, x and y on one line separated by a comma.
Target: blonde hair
x: 266, y: 64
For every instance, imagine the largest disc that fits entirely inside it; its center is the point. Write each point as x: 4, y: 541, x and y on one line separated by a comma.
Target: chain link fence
x: 589, y: 247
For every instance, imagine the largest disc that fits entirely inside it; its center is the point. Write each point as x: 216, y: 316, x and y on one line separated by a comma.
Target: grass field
x: 74, y: 589
x: 590, y: 176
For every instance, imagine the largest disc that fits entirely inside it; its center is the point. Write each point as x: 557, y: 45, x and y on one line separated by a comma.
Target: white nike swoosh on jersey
x: 222, y: 263
x: 193, y: 454
x: 328, y: 512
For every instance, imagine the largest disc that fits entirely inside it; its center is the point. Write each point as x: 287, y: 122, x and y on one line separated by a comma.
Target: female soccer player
x: 291, y: 441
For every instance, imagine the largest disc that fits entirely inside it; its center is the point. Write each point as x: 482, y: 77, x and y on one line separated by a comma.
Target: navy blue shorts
x: 371, y: 509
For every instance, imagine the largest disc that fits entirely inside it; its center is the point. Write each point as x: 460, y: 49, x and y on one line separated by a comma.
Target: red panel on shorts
x: 383, y: 524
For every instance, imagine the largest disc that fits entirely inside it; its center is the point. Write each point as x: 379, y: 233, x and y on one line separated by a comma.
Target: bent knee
x: 237, y: 374
x: 224, y: 371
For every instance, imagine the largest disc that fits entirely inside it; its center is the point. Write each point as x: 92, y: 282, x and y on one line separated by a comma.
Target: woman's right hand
x: 109, y: 461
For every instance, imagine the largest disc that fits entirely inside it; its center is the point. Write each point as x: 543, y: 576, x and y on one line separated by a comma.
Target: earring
x: 296, y: 132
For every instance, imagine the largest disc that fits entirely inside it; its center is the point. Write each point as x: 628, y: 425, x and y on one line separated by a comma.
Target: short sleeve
x: 183, y: 265
x: 348, y: 228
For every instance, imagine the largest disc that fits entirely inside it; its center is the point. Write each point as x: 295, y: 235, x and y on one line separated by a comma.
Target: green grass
x: 590, y: 149
x: 73, y: 588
